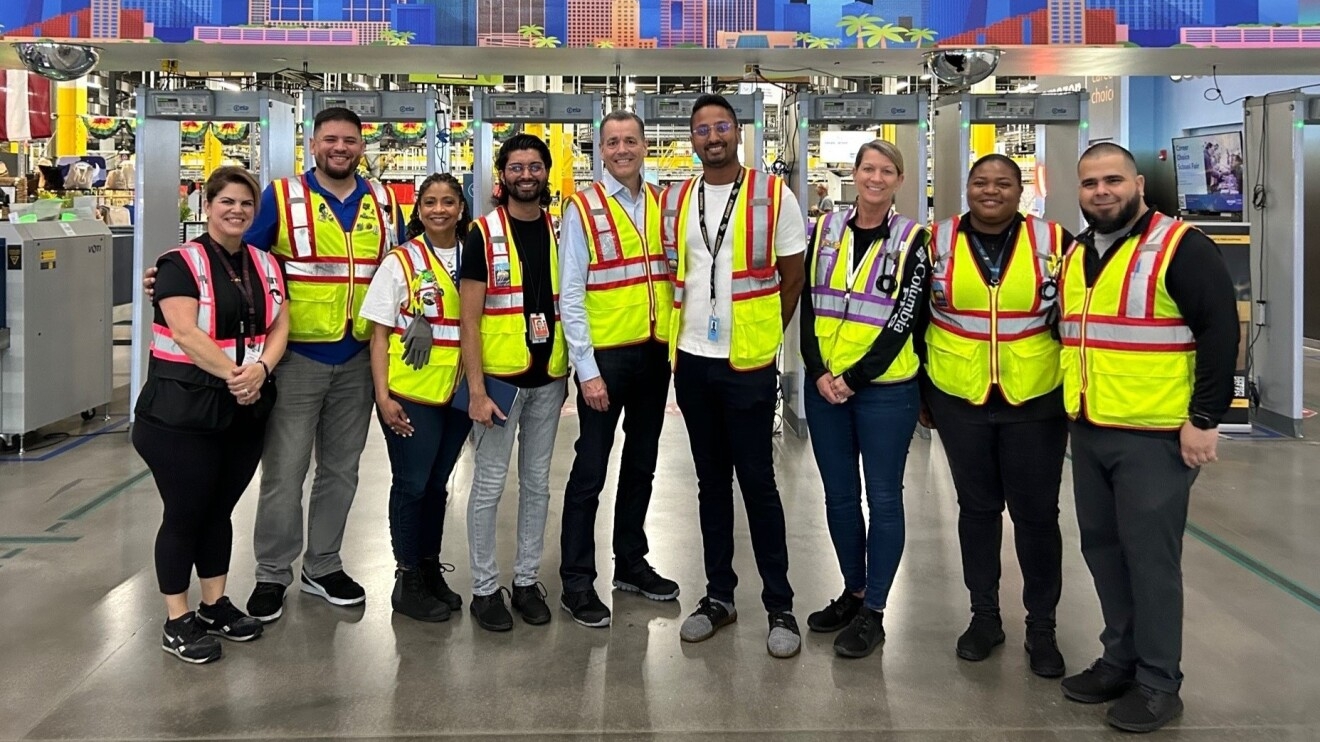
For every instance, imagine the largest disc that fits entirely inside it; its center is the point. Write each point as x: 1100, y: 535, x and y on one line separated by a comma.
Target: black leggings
x: 200, y: 477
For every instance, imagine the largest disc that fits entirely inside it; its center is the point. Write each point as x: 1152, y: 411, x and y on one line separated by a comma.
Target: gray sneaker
x: 710, y: 616
x: 784, y: 640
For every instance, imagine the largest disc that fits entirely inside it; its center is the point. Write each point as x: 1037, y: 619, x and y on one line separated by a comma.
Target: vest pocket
x: 757, y: 332
x: 1139, y: 389
x: 958, y: 366
x: 316, y: 310
x: 1029, y: 367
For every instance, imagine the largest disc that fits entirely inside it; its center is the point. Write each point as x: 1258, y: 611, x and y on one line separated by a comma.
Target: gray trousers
x: 323, y: 407
x: 1132, y: 492
x: 534, y: 421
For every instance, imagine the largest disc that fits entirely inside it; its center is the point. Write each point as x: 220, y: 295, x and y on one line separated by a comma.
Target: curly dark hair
x: 415, y: 227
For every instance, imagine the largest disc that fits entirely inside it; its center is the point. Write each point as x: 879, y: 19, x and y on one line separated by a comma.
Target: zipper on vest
x: 1081, y: 362
x: 352, y: 283
x: 650, y: 287
x: 994, y: 333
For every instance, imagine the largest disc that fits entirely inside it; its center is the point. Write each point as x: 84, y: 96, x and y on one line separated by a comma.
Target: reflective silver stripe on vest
x: 498, y: 243
x: 1042, y: 233
x: 440, y: 332
x: 945, y: 233
x: 195, y: 255
x: 599, y: 276
x: 748, y: 285
x: 1097, y: 330
x: 598, y: 212
x: 979, y: 327
x: 504, y: 301
x: 760, y: 195
x: 669, y: 230
x: 385, y: 210
x: 317, y: 269
x: 1143, y: 276
x: 300, y: 232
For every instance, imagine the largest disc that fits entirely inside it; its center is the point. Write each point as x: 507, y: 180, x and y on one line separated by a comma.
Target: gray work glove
x: 417, y: 343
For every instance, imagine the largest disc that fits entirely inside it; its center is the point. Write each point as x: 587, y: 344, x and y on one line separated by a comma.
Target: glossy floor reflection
x: 80, y: 623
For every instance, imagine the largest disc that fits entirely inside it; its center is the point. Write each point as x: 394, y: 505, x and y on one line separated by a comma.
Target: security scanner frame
x: 156, y: 199
x: 526, y: 108
x: 1282, y: 153
x: 676, y: 108
x: 385, y: 107
x: 1061, y: 138
x: 908, y: 113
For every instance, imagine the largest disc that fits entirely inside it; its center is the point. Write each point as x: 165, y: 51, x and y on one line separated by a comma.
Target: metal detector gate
x: 156, y: 199
x: 676, y: 108
x: 385, y: 107
x: 526, y: 108
x: 1061, y: 138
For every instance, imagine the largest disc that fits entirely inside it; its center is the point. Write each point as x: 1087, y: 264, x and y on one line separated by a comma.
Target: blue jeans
x: 876, y: 424
x: 421, y: 465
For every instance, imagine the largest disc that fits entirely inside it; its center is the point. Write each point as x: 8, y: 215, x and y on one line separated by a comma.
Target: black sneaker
x: 490, y: 612
x: 433, y: 575
x: 645, y: 581
x: 981, y: 637
x: 267, y: 602
x: 586, y: 608
x: 1144, y: 709
x: 836, y: 615
x: 1098, y: 683
x: 186, y: 639
x: 412, y: 599
x: 709, y: 617
x: 226, y: 620
x: 337, y: 588
x: 529, y: 601
x: 1043, y: 653
x: 863, y: 635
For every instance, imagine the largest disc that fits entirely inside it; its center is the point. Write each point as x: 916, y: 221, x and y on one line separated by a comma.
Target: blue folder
x: 502, y: 392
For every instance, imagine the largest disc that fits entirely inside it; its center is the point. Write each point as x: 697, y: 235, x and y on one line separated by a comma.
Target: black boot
x: 412, y: 599
x: 433, y: 576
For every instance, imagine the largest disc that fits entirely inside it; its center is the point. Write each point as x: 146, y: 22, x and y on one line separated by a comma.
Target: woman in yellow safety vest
x: 413, y: 305
x: 992, y: 362
x: 867, y: 275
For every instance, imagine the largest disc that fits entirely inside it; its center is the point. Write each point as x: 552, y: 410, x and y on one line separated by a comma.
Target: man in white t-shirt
x: 737, y: 239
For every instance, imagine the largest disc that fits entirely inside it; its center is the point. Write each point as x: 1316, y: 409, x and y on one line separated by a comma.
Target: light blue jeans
x: 534, y: 420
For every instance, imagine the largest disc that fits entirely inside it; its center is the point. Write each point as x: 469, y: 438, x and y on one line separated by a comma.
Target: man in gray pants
x: 1150, y: 335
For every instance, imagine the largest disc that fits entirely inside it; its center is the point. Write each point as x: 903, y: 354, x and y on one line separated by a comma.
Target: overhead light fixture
x: 962, y: 67
x: 226, y: 85
x: 56, y: 60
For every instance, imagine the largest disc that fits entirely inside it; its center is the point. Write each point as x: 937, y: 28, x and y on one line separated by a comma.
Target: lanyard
x: 995, y: 267
x: 724, y: 225
x: 244, y: 287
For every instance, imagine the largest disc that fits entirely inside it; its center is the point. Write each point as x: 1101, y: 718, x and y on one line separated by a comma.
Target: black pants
x: 200, y: 477
x: 730, y: 419
x: 1132, y: 491
x: 1015, y: 463
x: 420, y: 466
x: 637, y: 380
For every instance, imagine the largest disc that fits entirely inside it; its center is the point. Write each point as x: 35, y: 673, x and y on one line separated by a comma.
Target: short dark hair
x: 520, y: 142
x: 1101, y: 149
x: 1004, y: 160
x: 230, y: 175
x: 415, y: 227
x: 622, y: 115
x: 712, y: 99
x: 336, y: 114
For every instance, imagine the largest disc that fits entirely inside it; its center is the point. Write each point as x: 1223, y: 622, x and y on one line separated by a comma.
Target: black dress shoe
x: 1144, y: 709
x: 1098, y: 683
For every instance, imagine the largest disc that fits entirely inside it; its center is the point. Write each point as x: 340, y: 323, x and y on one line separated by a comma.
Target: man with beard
x: 735, y: 239
x: 1150, y: 336
x: 330, y: 228
x: 617, y: 300
x: 511, y: 329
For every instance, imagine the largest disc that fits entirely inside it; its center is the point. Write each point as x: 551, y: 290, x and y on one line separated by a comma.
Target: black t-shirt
x: 181, y: 395
x: 532, y: 239
x: 864, y: 237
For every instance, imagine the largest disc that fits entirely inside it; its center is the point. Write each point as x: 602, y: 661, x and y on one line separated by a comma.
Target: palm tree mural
x: 531, y: 31
x: 545, y: 42
x: 852, y: 25
x: 603, y: 44
x: 880, y: 36
x: 397, y: 38
x: 920, y: 34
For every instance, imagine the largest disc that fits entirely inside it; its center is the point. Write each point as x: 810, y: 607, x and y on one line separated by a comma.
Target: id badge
x: 253, y: 353
x: 713, y: 329
x: 502, y: 277
x: 540, y: 329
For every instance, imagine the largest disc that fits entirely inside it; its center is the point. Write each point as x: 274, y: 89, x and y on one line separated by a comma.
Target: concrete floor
x: 80, y: 622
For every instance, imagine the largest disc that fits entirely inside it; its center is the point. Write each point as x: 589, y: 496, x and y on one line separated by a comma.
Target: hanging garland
x: 192, y: 132
x: 501, y: 132
x: 372, y: 133
x: 230, y: 132
x: 103, y: 127
x: 408, y: 132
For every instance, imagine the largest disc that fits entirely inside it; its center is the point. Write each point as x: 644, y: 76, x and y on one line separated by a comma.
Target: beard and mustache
x: 1120, y: 220
x: 512, y: 191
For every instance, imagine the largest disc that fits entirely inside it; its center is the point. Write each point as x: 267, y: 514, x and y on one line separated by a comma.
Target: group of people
x: 1003, y: 331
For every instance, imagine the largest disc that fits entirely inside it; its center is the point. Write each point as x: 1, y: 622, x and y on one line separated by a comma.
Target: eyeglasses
x: 518, y: 168
x: 723, y: 127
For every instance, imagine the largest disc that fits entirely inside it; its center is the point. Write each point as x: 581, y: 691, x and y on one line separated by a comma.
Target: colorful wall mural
x: 673, y: 23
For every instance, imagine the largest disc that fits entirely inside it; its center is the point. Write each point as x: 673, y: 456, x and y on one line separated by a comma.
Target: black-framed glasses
x: 723, y: 127
x: 518, y: 168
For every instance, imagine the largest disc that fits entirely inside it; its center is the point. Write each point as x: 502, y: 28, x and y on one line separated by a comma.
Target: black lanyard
x: 724, y: 225
x: 244, y: 287
x: 995, y: 267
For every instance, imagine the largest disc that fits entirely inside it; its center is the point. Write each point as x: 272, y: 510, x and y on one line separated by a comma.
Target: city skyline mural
x: 549, y: 24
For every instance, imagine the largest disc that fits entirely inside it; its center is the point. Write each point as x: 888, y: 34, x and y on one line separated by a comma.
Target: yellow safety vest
x: 504, y: 328
x: 630, y: 294
x: 853, y: 307
x: 267, y: 282
x: 757, y: 329
x: 328, y: 266
x: 433, y: 294
x: 1129, y: 358
x: 982, y: 335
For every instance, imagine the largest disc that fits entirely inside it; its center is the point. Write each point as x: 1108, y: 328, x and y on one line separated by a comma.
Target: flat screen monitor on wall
x: 1210, y: 173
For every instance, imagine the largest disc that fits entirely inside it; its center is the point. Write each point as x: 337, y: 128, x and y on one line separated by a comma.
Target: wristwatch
x: 1202, y: 421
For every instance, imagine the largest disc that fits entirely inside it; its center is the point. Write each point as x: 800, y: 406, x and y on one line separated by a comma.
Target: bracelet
x: 265, y: 368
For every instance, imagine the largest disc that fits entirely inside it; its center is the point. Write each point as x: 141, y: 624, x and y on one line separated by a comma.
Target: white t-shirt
x: 790, y: 239
x: 389, y: 288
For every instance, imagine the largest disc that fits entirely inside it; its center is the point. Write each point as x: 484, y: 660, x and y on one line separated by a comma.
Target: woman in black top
x: 201, y: 417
